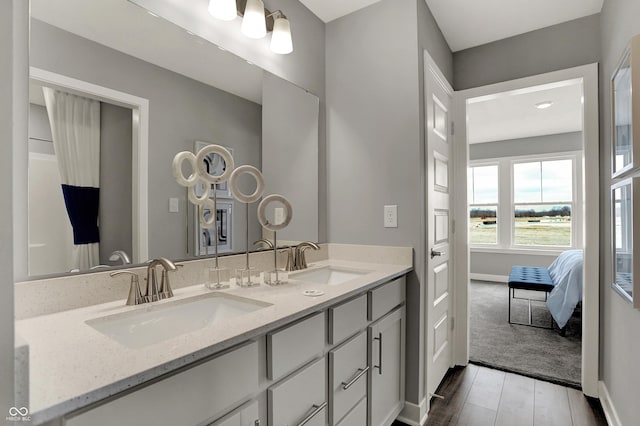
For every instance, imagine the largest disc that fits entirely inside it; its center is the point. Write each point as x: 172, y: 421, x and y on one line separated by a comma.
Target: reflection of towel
x: 566, y: 273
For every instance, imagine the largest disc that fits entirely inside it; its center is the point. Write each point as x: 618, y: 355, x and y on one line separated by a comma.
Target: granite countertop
x: 73, y: 365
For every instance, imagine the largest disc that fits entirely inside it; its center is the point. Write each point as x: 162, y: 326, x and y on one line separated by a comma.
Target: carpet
x: 535, y: 352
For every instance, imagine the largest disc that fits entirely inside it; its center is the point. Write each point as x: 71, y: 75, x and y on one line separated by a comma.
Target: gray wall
x: 500, y: 264
x: 619, y: 322
x: 547, y: 144
x: 115, y: 180
x: 290, y: 153
x: 13, y: 127
x: 374, y: 141
x: 182, y: 111
x: 553, y: 48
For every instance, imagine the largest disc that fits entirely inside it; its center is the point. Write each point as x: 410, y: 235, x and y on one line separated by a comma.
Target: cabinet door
x: 386, y: 361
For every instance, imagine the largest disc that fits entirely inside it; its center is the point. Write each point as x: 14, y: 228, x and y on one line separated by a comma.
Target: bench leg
x: 510, y: 295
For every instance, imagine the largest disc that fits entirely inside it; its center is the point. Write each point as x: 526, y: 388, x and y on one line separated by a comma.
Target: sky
x: 533, y: 182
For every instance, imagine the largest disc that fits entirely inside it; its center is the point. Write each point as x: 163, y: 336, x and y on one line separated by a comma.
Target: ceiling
x: 513, y: 115
x: 469, y: 23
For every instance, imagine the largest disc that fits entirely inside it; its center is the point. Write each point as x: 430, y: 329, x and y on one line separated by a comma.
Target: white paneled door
x: 438, y: 152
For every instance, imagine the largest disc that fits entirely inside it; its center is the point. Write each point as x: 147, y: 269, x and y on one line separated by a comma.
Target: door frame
x: 588, y: 74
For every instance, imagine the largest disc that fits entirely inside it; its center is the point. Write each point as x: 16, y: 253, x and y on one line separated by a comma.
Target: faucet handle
x: 135, y: 294
x: 165, y: 286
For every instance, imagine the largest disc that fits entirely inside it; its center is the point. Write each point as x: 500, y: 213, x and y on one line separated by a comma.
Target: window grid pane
x: 527, y: 182
x: 484, y: 185
x: 542, y: 225
x: 483, y: 227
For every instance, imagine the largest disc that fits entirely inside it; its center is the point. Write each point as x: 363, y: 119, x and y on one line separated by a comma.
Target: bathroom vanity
x: 326, y: 348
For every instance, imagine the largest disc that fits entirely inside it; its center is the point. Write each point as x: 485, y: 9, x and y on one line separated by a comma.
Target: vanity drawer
x: 295, y: 345
x: 247, y: 415
x: 347, y: 319
x: 357, y: 416
x: 191, y: 397
x: 386, y: 297
x: 347, y: 368
x: 300, y: 396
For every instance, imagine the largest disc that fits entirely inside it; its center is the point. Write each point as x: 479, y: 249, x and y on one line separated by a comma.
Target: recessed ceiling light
x: 543, y: 105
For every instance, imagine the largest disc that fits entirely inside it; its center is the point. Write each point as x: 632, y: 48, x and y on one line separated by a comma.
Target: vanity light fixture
x: 281, y: 42
x: 544, y: 105
x: 256, y: 21
x: 225, y: 10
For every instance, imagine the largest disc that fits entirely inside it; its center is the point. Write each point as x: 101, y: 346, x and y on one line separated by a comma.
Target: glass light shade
x: 281, y: 39
x: 254, y: 24
x: 225, y: 10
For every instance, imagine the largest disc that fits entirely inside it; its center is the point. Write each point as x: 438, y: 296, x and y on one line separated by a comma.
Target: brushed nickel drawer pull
x: 317, y: 409
x: 361, y: 372
x: 379, y: 366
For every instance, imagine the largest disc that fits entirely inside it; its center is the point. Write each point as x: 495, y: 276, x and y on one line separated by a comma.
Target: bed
x: 566, y: 274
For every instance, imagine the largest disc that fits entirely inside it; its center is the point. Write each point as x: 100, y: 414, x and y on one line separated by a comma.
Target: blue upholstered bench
x: 529, y: 278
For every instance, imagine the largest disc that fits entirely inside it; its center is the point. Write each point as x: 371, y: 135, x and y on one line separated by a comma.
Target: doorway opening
x: 531, y: 150
x: 525, y: 185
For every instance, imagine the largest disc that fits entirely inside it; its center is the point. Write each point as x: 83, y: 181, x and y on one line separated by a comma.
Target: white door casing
x: 438, y: 165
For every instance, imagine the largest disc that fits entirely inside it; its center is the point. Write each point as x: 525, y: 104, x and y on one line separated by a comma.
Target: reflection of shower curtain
x: 75, y: 126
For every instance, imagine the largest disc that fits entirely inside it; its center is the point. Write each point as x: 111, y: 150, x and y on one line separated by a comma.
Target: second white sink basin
x: 330, y: 275
x: 154, y: 323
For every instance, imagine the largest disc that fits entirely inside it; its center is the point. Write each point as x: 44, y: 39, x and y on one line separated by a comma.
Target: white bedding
x: 566, y: 273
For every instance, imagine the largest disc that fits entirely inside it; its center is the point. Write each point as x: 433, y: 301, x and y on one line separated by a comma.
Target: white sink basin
x: 151, y: 324
x: 330, y: 275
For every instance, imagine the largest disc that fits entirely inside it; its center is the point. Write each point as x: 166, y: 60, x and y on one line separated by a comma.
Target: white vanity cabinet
x: 342, y: 366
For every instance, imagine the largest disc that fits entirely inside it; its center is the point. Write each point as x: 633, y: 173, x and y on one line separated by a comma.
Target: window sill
x: 533, y: 252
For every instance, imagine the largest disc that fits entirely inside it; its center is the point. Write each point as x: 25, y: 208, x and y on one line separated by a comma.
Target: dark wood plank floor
x: 479, y: 396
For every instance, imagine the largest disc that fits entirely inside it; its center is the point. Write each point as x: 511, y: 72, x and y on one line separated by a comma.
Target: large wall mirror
x: 146, y: 88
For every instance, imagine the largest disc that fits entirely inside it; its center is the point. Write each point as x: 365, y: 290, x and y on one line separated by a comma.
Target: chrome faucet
x: 120, y: 255
x: 153, y: 292
x: 299, y: 260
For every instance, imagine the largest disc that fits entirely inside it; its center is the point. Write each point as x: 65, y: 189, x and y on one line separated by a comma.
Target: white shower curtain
x: 75, y: 127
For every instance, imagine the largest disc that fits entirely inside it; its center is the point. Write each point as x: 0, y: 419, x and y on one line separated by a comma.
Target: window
x: 543, y: 202
x: 525, y: 202
x: 483, y: 204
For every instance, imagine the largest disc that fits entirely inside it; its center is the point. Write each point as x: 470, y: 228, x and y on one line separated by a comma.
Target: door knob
x: 437, y: 253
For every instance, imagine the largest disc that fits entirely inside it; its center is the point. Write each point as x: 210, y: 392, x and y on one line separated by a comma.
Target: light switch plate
x: 391, y: 216
x: 173, y: 205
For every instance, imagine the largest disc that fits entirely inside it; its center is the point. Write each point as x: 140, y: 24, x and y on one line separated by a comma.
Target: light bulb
x: 254, y: 24
x: 281, y: 39
x: 225, y: 10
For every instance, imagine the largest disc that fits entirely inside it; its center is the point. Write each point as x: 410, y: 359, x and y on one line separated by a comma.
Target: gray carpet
x: 531, y: 351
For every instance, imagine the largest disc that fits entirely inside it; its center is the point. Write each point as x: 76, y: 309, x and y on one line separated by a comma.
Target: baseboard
x: 607, y: 405
x: 414, y: 415
x: 489, y: 277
